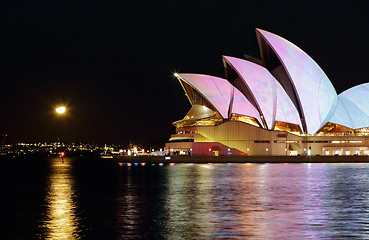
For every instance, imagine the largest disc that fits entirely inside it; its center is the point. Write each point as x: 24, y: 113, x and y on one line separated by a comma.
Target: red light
x: 209, y: 149
x: 171, y: 164
x: 285, y: 149
x: 62, y: 154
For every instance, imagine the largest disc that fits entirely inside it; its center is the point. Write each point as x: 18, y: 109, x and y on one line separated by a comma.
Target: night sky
x: 112, y: 62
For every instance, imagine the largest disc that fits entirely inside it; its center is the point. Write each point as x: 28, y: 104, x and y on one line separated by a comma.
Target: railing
x: 183, y: 135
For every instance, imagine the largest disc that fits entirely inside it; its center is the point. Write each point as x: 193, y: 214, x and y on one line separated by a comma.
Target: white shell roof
x: 353, y: 107
x: 286, y: 110
x: 218, y: 92
x: 242, y: 106
x: 261, y: 84
x: 316, y: 94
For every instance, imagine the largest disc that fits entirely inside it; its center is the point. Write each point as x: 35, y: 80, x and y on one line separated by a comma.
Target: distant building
x: 281, y: 104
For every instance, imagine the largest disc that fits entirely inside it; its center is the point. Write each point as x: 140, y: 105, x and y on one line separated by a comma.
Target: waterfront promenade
x: 242, y: 159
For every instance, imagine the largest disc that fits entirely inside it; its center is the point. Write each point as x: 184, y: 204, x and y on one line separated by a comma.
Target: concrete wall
x: 242, y: 137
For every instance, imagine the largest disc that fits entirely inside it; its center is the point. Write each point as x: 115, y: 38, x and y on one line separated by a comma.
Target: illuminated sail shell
x: 261, y: 85
x: 293, y: 90
x: 286, y: 110
x: 219, y: 93
x: 314, y: 91
x: 353, y: 107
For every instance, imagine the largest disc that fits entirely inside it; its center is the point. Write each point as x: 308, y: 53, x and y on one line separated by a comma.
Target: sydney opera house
x: 281, y: 104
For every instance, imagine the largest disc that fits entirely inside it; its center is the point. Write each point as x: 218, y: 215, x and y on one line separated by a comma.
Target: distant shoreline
x: 242, y: 159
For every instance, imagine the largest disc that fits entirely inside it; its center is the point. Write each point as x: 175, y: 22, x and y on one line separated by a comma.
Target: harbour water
x: 98, y: 199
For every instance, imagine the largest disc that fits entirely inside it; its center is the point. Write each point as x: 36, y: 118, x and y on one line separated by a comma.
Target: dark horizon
x: 112, y: 63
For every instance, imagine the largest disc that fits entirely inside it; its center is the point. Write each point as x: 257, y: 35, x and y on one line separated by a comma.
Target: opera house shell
x: 281, y: 104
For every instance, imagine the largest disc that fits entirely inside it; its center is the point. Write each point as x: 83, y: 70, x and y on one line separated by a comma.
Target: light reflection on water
x: 257, y: 201
x: 60, y: 221
x: 86, y: 199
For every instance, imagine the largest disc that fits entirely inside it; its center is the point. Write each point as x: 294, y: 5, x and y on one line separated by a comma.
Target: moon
x: 60, y: 110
